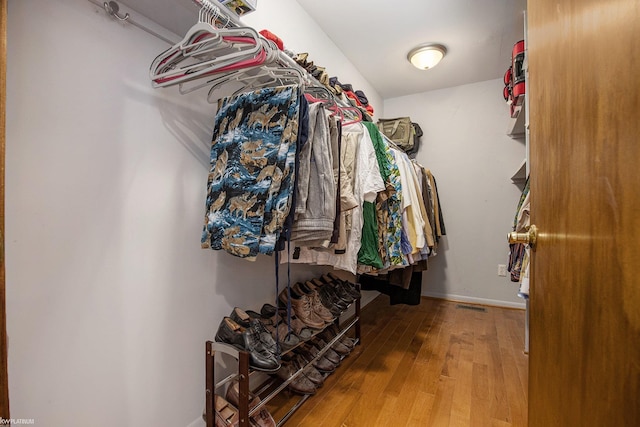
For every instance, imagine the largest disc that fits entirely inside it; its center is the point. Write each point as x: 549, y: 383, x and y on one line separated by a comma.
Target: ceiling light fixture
x: 426, y: 56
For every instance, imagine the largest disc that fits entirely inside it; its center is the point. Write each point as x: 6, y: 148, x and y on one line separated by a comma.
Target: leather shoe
x: 267, y: 335
x: 348, y: 341
x: 343, y: 346
x: 308, y: 370
x: 299, y: 328
x: 329, y: 353
x: 241, y: 317
x: 316, y: 304
x: 260, y: 419
x: 329, y: 295
x: 230, y: 332
x: 249, y: 340
x: 338, y: 295
x: 226, y: 415
x: 303, y: 307
x: 348, y: 286
x: 322, y: 364
x: 300, y: 384
x: 327, y: 301
x: 261, y: 354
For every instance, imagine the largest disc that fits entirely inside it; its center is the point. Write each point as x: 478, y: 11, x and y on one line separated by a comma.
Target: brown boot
x: 316, y: 304
x: 303, y: 307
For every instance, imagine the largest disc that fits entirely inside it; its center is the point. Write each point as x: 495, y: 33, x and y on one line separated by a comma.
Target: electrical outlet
x: 502, y: 270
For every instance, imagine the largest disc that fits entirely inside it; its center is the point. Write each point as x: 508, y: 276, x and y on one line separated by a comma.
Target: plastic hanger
x: 240, y: 44
x: 355, y: 118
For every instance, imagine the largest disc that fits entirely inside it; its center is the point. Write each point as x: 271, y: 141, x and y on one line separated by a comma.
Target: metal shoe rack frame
x: 244, y: 372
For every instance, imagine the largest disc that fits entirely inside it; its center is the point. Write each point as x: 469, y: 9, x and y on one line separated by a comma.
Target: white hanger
x: 228, y: 46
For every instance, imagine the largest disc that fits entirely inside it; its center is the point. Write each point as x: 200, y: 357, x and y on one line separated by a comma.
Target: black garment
x: 336, y: 222
x: 398, y: 295
x: 303, y: 136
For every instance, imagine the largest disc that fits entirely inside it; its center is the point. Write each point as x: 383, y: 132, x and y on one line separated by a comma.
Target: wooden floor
x: 429, y: 365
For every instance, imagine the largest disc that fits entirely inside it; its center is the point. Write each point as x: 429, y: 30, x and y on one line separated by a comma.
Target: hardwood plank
x: 4, y: 379
x: 515, y: 392
x: 480, y: 399
x: 421, y: 410
x: 407, y: 351
x: 408, y: 384
x: 421, y: 368
x: 463, y: 373
x: 499, y: 406
x: 441, y: 412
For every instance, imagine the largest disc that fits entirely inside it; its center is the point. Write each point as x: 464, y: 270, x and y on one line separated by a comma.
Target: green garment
x: 379, y: 147
x: 368, y: 253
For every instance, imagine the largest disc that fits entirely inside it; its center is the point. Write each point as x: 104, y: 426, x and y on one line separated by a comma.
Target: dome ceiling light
x: 426, y: 56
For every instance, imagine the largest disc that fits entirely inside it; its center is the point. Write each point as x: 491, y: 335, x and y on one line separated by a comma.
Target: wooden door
x: 584, y: 69
x: 4, y: 382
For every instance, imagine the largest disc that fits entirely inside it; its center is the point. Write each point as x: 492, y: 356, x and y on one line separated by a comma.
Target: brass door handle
x: 528, y: 237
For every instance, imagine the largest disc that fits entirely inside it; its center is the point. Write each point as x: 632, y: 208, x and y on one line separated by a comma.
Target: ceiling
x: 377, y: 35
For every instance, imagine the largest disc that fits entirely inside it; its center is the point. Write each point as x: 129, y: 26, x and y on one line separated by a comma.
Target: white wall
x: 466, y: 147
x: 109, y: 296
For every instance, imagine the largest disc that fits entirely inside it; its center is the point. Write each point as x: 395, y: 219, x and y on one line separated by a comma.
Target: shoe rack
x: 244, y: 372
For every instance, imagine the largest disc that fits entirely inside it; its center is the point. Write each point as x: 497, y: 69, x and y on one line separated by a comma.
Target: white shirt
x: 368, y: 182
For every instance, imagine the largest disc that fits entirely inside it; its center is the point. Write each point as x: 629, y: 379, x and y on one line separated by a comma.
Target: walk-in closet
x: 261, y: 213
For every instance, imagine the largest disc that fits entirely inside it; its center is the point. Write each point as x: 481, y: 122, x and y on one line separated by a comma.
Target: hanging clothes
x: 518, y: 251
x: 366, y: 183
x: 315, y: 209
x: 250, y: 182
x: 369, y: 253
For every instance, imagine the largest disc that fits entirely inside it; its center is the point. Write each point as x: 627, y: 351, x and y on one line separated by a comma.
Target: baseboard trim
x: 474, y: 300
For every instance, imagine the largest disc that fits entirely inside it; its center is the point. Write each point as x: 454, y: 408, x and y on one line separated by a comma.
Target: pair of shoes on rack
x: 331, y: 355
x: 345, y: 289
x: 280, y: 314
x: 262, y: 418
x: 317, y: 306
x: 338, y: 346
x: 351, y: 288
x: 274, y: 330
x: 310, y: 353
x: 328, y: 297
x: 337, y: 295
x: 252, y: 340
x: 306, y: 382
x: 305, y: 307
x: 331, y: 332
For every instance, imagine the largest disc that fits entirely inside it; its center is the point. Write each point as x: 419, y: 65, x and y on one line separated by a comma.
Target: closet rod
x: 112, y: 8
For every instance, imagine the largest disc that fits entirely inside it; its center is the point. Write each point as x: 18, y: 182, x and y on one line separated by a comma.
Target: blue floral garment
x: 390, y: 216
x: 250, y: 181
x: 388, y: 208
